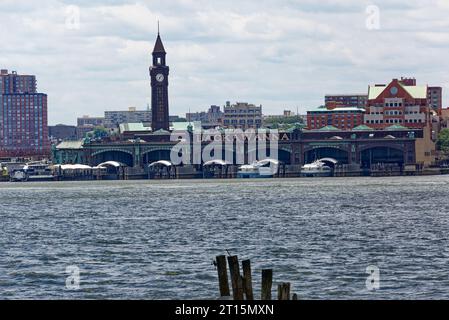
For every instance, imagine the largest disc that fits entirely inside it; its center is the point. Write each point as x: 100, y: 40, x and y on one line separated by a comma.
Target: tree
x: 98, y: 133
x: 443, y: 141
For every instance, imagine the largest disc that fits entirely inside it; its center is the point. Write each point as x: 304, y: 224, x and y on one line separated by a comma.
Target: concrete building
x: 242, y: 115
x: 343, y: 118
x: 346, y: 100
x: 113, y: 119
x: 209, y: 119
x: 23, y: 117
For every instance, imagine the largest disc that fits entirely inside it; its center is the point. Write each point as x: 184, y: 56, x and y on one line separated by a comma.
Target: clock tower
x: 159, y: 88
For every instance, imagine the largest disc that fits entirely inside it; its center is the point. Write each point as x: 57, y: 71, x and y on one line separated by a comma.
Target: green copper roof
x: 329, y: 128
x: 134, y: 127
x: 396, y: 127
x: 74, y: 145
x: 417, y: 92
x: 362, y: 128
x: 183, y: 126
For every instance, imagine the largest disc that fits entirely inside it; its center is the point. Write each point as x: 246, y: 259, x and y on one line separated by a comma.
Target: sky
x: 90, y: 55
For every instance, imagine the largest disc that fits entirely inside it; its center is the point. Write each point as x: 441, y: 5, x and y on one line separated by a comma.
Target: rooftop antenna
x: 158, y: 29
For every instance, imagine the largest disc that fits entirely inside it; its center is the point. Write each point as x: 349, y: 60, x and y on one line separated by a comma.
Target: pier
x: 241, y: 281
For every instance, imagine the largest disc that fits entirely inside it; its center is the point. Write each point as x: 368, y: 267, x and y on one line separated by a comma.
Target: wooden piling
x: 295, y: 296
x: 248, y: 283
x: 223, y: 276
x: 267, y: 282
x: 284, y: 291
x: 236, y: 280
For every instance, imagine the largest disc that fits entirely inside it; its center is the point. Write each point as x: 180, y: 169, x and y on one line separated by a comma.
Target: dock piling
x: 267, y: 282
x: 223, y: 276
x: 236, y: 280
x: 284, y: 291
x: 247, y: 285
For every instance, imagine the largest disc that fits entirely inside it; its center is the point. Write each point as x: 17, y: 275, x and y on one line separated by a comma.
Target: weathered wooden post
x: 223, y: 276
x: 248, y: 283
x: 295, y: 296
x: 236, y: 280
x: 284, y: 291
x: 267, y: 282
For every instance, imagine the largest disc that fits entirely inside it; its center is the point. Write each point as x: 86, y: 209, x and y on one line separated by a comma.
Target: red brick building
x: 401, y: 102
x: 341, y: 118
x: 345, y: 100
x: 23, y: 117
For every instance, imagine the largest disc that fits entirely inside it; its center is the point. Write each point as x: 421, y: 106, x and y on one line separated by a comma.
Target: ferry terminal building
x: 359, y: 148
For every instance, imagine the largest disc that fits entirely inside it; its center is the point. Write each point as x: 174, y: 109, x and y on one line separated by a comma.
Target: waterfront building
x: 242, y: 115
x: 113, y: 119
x: 344, y: 118
x: 401, y: 102
x: 346, y: 100
x: 352, y: 145
x: 23, y: 117
x: 209, y: 119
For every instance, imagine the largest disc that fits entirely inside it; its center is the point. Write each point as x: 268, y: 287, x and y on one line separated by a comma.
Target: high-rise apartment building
x: 23, y: 117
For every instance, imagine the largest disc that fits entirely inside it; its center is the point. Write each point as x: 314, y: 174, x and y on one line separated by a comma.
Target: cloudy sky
x: 283, y: 54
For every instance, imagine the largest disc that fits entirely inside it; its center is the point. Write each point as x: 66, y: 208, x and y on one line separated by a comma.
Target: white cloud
x: 279, y: 53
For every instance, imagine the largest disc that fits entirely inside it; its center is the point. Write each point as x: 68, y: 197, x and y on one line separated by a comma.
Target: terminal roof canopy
x: 362, y: 128
x: 75, y: 145
x: 329, y: 128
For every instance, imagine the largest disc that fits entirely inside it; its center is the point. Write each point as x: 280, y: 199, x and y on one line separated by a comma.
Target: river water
x: 157, y: 239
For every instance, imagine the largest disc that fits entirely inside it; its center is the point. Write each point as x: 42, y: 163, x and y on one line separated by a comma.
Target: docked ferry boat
x: 316, y: 169
x: 37, y: 171
x: 267, y: 168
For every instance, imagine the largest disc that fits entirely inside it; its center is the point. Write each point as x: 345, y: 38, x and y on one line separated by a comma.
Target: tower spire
x: 158, y: 47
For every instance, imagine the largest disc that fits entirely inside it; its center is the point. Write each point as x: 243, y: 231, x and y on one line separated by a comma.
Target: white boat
x: 267, y: 168
x: 316, y: 169
x: 35, y: 171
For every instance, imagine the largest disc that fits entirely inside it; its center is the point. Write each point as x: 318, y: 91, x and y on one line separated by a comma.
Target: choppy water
x: 156, y: 240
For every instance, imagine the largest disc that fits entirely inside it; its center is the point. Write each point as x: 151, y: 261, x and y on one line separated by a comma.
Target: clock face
x: 160, y: 77
x: 394, y: 91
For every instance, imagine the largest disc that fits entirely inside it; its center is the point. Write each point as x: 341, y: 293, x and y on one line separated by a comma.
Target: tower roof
x: 159, y: 46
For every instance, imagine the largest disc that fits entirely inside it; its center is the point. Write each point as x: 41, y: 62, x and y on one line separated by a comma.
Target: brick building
x: 345, y: 118
x: 346, y: 100
x: 23, y: 117
x: 401, y: 102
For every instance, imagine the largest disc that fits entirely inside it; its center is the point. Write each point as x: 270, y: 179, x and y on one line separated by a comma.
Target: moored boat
x: 267, y: 168
x: 316, y: 169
